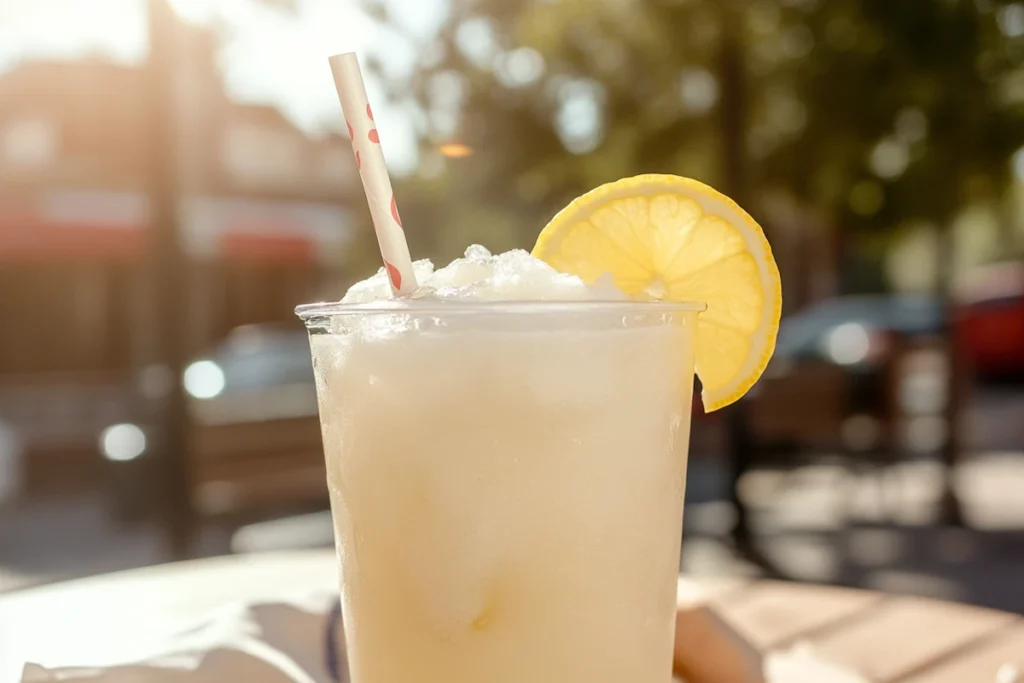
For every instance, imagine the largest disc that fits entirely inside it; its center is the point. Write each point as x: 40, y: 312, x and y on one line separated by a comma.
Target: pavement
x: 821, y: 524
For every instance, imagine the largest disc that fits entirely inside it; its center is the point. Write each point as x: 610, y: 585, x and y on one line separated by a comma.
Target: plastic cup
x: 506, y: 485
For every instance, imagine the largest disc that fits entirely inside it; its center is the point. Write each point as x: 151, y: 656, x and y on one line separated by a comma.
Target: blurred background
x: 175, y: 177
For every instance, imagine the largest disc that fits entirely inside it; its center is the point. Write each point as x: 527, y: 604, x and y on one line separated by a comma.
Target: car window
x: 265, y: 363
x: 802, y: 334
x: 916, y: 315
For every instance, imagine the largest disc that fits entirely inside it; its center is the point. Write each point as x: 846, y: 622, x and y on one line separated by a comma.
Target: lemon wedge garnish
x: 676, y: 239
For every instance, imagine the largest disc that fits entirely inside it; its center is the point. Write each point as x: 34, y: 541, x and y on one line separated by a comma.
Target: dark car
x: 849, y: 373
x: 861, y: 376
x: 254, y: 434
x: 51, y: 422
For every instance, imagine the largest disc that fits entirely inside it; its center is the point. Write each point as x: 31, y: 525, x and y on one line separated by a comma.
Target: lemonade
x: 506, y: 444
x: 506, y: 456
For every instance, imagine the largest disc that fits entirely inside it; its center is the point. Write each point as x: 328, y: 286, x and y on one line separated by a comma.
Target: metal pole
x: 167, y: 269
x: 958, y: 380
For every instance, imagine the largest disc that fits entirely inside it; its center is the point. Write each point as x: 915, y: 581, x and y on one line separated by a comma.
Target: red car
x: 989, y: 319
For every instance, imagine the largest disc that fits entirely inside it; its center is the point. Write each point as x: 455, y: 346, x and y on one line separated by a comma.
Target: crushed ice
x: 483, y: 276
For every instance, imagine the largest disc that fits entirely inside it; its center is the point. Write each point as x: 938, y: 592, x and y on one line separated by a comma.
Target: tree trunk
x: 733, y: 105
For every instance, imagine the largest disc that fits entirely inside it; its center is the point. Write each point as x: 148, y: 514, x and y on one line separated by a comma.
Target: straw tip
x: 342, y: 57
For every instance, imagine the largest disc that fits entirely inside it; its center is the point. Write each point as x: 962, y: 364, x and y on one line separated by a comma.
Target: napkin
x: 271, y: 642
x: 301, y: 641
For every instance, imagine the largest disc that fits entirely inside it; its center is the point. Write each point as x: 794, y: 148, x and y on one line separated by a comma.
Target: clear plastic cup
x: 507, y: 485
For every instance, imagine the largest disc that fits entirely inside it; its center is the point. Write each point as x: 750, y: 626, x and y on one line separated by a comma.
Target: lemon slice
x: 676, y: 239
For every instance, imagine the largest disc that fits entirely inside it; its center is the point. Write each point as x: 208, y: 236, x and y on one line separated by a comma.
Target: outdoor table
x: 886, y: 638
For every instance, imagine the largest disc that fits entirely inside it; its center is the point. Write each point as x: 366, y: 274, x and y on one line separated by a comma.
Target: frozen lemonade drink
x: 506, y: 447
x: 506, y: 478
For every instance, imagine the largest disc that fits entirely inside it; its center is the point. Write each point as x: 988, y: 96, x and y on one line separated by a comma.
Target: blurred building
x: 261, y: 220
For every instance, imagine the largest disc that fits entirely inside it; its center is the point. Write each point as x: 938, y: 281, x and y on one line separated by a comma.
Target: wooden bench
x: 240, y: 467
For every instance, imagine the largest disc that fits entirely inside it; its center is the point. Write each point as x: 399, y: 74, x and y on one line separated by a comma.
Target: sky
x: 273, y: 58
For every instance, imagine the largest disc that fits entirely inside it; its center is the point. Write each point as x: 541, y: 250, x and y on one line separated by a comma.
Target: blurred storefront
x: 260, y: 214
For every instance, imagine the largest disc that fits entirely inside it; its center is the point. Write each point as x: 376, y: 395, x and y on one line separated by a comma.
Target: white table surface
x: 121, y: 616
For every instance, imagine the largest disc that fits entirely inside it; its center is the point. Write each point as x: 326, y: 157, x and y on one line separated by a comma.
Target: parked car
x: 990, y: 320
x: 53, y: 420
x: 255, y: 437
x: 852, y: 373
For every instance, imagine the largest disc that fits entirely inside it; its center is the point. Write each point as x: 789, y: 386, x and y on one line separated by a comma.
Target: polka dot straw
x: 376, y: 183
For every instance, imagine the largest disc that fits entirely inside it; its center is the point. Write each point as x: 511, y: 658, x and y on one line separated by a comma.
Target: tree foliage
x: 871, y: 113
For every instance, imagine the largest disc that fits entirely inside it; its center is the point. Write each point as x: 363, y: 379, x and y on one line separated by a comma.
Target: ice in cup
x: 506, y: 457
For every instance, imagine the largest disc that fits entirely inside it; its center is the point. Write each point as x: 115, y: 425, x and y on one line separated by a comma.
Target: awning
x: 73, y: 226
x: 270, y: 231
x: 94, y: 225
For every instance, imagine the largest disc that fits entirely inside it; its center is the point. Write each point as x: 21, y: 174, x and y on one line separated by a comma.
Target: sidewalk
x: 819, y: 524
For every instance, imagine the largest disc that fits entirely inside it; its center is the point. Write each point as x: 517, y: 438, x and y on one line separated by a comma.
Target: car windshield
x: 255, y: 358
x: 802, y: 333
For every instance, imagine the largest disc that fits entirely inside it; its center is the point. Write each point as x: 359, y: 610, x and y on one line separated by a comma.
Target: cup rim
x: 441, y: 307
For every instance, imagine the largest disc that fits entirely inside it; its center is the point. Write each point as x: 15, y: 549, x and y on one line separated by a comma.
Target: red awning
x: 72, y: 226
x: 75, y: 225
x: 28, y: 240
x: 267, y: 248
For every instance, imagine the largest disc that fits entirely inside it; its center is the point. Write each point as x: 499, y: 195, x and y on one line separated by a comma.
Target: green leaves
x: 870, y: 112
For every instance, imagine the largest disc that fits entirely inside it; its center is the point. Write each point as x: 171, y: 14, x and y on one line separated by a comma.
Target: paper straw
x: 370, y: 161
